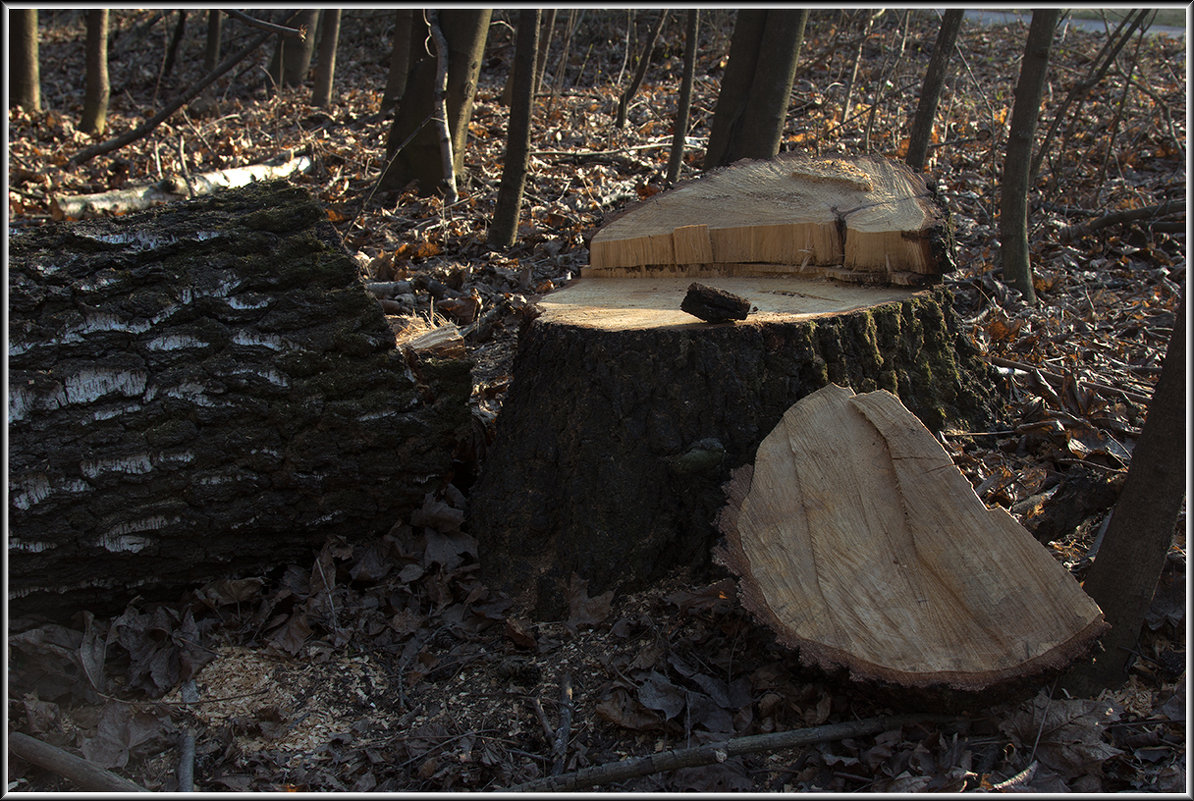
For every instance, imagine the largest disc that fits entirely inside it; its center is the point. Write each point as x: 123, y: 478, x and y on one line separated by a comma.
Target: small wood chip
x: 714, y: 305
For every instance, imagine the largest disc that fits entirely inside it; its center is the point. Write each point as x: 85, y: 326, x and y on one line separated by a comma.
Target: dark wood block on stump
x: 202, y: 390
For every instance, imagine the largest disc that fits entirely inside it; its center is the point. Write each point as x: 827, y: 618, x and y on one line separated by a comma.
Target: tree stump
x: 860, y: 544
x: 626, y: 414
x: 202, y: 390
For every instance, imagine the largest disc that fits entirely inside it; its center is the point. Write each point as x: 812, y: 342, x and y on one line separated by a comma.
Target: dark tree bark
x: 215, y: 30
x: 419, y: 160
x: 399, y: 59
x: 613, y: 444
x: 930, y: 93
x: 691, y: 29
x: 504, y: 229
x: 180, y: 29
x: 640, y: 72
x: 1014, y: 188
x: 292, y: 59
x: 325, y: 71
x: 95, y: 101
x: 753, y: 102
x: 1130, y: 560
x: 24, y: 82
x: 205, y: 390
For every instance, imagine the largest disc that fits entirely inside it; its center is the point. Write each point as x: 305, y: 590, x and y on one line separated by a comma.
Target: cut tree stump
x: 857, y: 540
x: 203, y: 390
x: 625, y: 414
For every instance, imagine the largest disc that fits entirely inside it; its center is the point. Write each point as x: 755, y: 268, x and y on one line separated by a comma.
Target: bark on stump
x: 625, y: 414
x: 204, y: 390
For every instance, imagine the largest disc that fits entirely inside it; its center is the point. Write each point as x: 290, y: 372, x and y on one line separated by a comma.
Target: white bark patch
x: 123, y: 537
x: 175, y: 342
x: 171, y: 458
x: 27, y: 493
x: 140, y: 238
x: 21, y: 401
x: 28, y: 546
x: 133, y: 465
x: 190, y: 392
x: 239, y: 302
x: 89, y: 385
x: 270, y: 341
x: 107, y: 414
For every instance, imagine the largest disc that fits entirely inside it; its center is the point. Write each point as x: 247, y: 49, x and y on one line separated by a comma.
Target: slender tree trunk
x: 95, y: 102
x: 641, y: 71
x: 24, y: 82
x: 439, y: 107
x: 325, y: 71
x: 399, y: 59
x: 691, y: 30
x: 930, y: 93
x: 753, y: 102
x: 1013, y: 221
x: 504, y: 230
x: 549, y: 25
x: 180, y: 29
x: 1130, y: 560
x: 293, y: 57
x: 465, y: 31
x: 215, y: 29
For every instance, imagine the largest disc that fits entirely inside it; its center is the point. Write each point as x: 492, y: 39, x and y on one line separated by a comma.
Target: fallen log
x: 861, y: 545
x: 174, y: 188
x: 202, y: 390
x: 86, y: 776
x: 625, y: 414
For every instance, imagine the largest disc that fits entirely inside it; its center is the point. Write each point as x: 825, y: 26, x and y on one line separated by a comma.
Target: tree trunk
x: 930, y: 93
x: 625, y: 413
x: 293, y: 56
x: 955, y: 594
x: 753, y: 102
x: 504, y: 230
x: 399, y: 59
x: 326, y: 69
x: 24, y: 82
x: 465, y: 31
x: 215, y: 30
x: 95, y: 101
x: 180, y: 29
x: 1014, y: 188
x: 549, y: 26
x: 680, y: 133
x: 203, y: 391
x: 640, y: 71
x: 1129, y: 562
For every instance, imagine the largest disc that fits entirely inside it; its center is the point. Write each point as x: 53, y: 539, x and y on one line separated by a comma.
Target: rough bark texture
x: 95, y: 101
x: 204, y: 390
x: 612, y: 445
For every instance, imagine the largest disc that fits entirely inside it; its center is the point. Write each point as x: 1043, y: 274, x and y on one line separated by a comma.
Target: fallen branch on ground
x: 123, y: 201
x: 719, y: 752
x: 1072, y: 232
x: 87, y: 776
x: 1102, y: 389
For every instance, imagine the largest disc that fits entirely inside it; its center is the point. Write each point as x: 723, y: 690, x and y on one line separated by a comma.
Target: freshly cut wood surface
x: 619, y: 304
x: 787, y: 215
x: 860, y: 543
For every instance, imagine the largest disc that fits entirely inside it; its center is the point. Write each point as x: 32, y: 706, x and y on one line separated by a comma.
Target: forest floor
x: 388, y: 666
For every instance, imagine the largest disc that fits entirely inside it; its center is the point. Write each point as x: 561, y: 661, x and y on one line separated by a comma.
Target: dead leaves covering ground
x: 388, y: 666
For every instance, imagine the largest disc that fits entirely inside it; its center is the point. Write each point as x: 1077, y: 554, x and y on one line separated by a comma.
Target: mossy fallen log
x: 202, y: 390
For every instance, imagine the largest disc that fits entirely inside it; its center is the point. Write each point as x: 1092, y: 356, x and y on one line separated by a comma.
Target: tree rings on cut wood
x: 860, y: 543
x: 714, y: 305
x: 866, y: 219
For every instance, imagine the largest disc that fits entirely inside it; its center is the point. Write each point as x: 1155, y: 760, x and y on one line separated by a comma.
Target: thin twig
x: 565, y: 731
x: 718, y: 752
x: 1102, y: 389
x: 186, y: 745
x: 272, y: 27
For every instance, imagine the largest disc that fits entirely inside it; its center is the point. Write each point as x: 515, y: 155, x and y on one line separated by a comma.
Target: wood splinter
x: 714, y: 305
